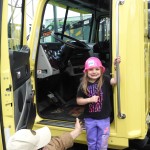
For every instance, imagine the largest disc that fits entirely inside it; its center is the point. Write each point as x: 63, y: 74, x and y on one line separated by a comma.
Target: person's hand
x: 94, y: 99
x: 78, y: 129
x: 117, y: 60
x: 78, y: 125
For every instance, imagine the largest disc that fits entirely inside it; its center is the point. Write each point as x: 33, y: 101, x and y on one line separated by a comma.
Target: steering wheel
x: 79, y: 45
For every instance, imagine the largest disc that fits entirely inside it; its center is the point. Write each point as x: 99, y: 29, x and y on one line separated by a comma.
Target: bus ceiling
x: 90, y: 5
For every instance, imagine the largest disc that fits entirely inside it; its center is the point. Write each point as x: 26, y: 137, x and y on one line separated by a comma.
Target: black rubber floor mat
x: 65, y: 113
x: 76, y: 111
x: 58, y: 123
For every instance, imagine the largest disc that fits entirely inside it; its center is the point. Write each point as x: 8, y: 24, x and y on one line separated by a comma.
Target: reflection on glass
x: 14, y: 24
x: 77, y: 24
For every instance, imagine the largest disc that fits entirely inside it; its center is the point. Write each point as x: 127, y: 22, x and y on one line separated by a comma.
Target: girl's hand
x: 94, y: 99
x: 117, y: 60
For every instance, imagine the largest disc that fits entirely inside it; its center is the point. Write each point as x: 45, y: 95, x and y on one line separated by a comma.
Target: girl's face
x: 94, y: 74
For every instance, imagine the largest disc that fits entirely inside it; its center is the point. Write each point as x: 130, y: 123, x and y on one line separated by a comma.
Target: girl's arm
x: 84, y: 101
x: 113, y: 80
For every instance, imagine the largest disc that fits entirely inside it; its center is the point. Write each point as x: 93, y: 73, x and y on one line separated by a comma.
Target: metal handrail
x: 120, y: 114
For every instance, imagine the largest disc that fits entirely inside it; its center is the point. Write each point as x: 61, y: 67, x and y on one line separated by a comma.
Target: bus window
x: 77, y: 24
x: 104, y: 29
x: 15, y: 24
x: 31, y: 5
x: 103, y: 45
x: 50, y: 24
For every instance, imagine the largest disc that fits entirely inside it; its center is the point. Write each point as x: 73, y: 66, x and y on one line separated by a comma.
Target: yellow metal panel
x: 34, y: 37
x: 131, y: 47
x: 118, y: 143
x: 7, y: 96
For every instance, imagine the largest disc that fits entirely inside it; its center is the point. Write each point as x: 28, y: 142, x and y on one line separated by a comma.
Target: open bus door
x: 17, y: 107
x: 58, y: 66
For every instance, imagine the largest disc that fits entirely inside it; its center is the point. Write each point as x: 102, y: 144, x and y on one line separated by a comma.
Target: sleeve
x: 80, y: 92
x: 107, y: 79
x: 62, y: 142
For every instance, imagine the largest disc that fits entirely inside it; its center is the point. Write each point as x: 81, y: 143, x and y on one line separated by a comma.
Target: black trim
x: 1, y: 113
x: 65, y: 20
x: 138, y: 143
x: 22, y: 27
x: 19, y: 63
x: 35, y: 71
x: 110, y: 15
x: 90, y: 34
x: 148, y: 4
x: 91, y: 6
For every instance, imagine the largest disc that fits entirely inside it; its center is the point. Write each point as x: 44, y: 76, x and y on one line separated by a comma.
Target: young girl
x: 94, y: 93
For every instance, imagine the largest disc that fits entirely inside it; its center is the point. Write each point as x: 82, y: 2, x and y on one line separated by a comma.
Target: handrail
x: 120, y: 114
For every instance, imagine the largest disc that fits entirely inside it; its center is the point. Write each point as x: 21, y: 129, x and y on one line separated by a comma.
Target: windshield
x: 77, y: 24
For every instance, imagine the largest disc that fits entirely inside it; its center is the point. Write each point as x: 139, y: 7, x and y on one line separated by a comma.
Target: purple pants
x: 97, y: 132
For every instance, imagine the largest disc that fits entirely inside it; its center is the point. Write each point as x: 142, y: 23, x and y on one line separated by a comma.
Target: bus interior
x: 71, y: 32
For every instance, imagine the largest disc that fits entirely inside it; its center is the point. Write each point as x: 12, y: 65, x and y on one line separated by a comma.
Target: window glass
x: 53, y: 21
x: 30, y: 11
x: 77, y: 24
x: 104, y: 29
x: 148, y: 19
x: 14, y: 24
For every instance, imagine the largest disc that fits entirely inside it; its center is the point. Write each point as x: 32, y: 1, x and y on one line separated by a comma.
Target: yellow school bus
x: 40, y: 72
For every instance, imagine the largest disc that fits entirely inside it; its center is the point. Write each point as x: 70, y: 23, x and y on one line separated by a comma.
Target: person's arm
x: 81, y: 100
x: 84, y: 101
x: 78, y: 129
x: 113, y: 80
x: 61, y: 142
x: 65, y: 140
